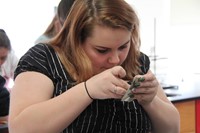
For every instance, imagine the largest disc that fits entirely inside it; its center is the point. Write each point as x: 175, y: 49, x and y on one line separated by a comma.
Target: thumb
x: 118, y: 71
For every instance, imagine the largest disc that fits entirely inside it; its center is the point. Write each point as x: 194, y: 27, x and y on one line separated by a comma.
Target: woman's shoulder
x: 38, y: 58
x: 40, y: 49
x: 39, y: 54
x: 42, y: 46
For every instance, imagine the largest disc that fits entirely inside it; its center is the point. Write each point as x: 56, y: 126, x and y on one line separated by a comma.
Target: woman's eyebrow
x: 126, y: 42
x: 120, y: 45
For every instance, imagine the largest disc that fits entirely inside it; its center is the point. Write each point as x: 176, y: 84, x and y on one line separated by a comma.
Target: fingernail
x: 136, y: 84
x: 130, y: 95
x: 141, y: 79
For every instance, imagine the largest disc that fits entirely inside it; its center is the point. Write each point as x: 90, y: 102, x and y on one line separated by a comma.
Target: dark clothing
x: 4, y: 98
x: 101, y: 116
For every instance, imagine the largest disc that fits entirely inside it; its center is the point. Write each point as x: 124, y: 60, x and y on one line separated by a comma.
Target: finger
x: 142, y: 91
x: 118, y: 71
x: 114, y: 90
x: 118, y: 90
x: 149, y: 84
x: 149, y: 76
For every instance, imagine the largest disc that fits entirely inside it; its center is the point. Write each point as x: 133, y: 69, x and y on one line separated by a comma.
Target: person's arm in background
x: 3, y: 119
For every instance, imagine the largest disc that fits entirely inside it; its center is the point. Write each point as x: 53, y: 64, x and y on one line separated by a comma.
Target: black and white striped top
x: 101, y: 116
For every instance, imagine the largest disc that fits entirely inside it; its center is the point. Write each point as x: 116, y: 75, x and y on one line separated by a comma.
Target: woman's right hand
x: 108, y: 84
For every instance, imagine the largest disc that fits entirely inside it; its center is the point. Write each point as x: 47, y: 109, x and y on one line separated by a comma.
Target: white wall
x: 177, y: 36
x: 25, y: 20
x: 154, y: 18
x: 185, y: 34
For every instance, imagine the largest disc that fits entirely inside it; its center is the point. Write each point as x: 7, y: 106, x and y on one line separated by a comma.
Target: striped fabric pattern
x: 101, y: 116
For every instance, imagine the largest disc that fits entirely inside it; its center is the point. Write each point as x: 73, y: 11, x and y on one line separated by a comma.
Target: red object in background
x: 197, y: 116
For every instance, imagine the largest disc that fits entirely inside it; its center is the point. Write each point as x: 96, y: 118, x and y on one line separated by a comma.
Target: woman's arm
x: 163, y: 114
x: 32, y: 109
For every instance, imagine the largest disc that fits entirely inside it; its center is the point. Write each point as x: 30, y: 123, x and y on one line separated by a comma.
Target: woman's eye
x: 122, y: 47
x: 102, y: 51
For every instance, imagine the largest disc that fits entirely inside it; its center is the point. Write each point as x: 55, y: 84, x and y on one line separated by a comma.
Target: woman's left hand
x: 147, y: 89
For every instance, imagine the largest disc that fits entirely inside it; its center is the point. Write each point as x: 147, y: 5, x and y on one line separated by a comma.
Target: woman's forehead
x: 104, y: 35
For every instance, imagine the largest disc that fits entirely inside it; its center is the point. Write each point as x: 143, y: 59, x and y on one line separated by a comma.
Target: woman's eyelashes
x: 123, y: 47
x: 102, y: 51
x: 106, y: 50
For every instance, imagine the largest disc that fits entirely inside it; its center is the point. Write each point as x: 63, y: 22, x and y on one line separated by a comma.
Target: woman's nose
x: 114, y: 58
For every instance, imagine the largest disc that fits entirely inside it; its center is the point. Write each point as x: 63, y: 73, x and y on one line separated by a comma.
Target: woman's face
x: 3, y: 55
x: 107, y: 47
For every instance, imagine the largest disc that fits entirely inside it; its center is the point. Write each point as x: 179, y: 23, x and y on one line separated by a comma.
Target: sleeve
x: 145, y: 63
x: 35, y: 59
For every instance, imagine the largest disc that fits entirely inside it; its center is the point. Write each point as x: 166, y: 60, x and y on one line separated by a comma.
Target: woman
x: 74, y: 84
x: 55, y: 26
x: 8, y: 59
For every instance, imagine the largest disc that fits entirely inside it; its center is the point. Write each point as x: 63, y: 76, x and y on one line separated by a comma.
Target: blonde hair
x: 79, y: 25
